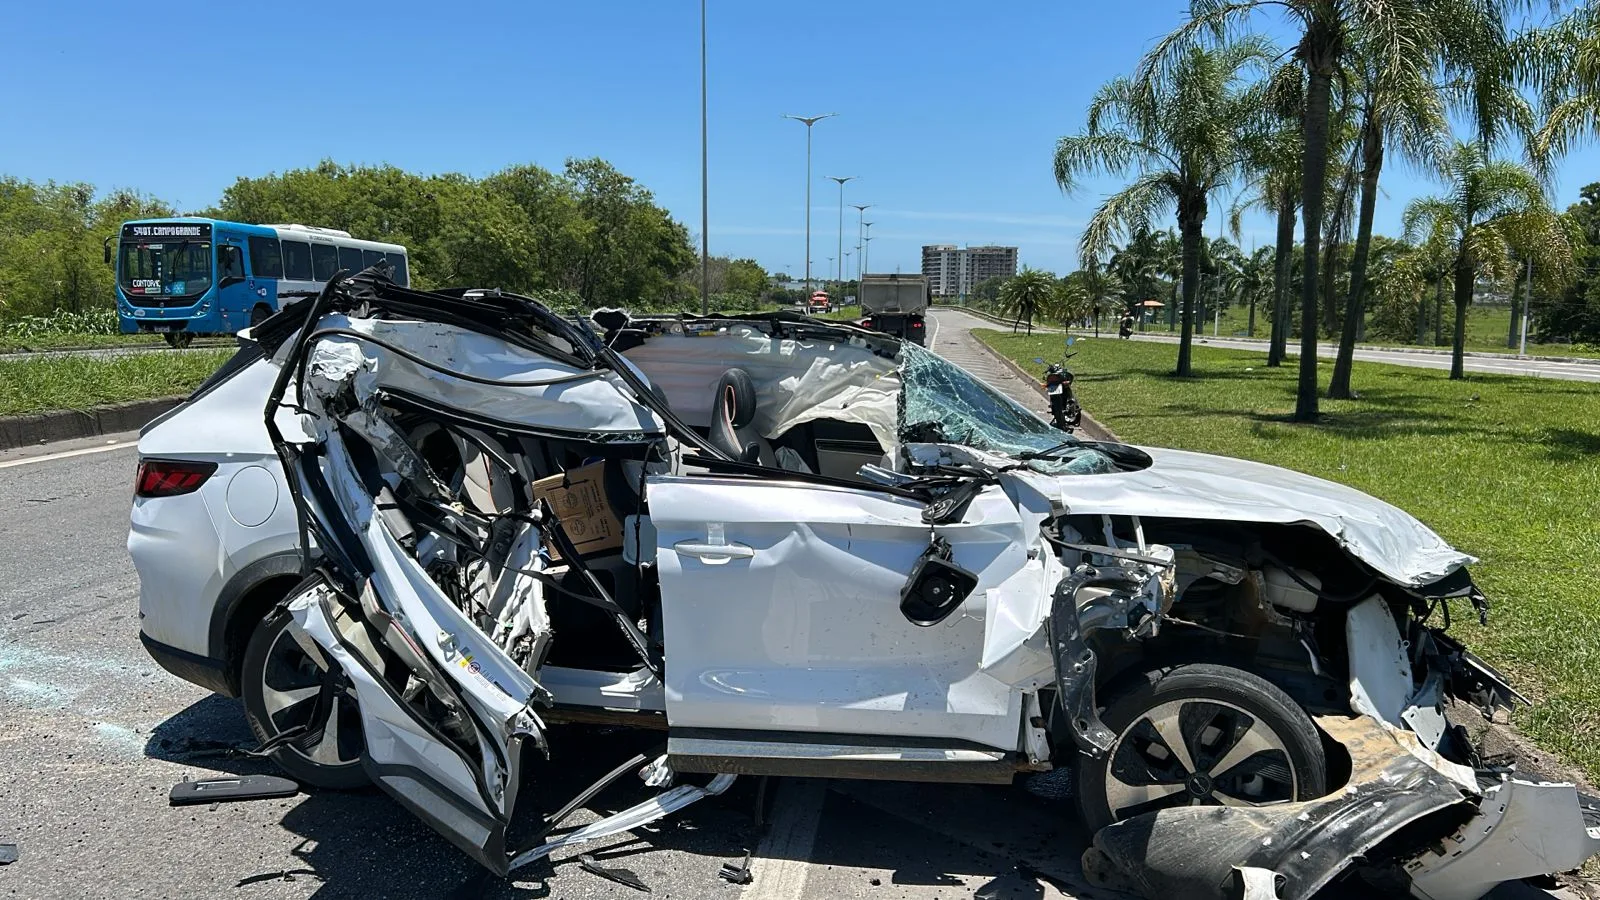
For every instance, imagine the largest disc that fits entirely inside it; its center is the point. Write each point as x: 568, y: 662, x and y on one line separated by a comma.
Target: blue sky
x: 948, y: 112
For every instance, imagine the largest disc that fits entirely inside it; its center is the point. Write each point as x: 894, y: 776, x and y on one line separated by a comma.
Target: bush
x: 91, y: 321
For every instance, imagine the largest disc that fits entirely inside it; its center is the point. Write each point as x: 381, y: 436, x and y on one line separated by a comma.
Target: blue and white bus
x: 187, y: 276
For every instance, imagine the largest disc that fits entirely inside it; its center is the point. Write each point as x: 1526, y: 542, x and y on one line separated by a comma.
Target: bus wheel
x: 259, y: 314
x: 179, y: 339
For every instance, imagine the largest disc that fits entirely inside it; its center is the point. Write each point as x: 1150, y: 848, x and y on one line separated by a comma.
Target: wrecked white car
x: 800, y: 548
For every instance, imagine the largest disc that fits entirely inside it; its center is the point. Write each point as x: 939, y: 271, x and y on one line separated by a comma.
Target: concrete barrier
x: 66, y: 424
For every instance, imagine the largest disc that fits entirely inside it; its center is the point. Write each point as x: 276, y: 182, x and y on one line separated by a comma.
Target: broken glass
x: 942, y: 400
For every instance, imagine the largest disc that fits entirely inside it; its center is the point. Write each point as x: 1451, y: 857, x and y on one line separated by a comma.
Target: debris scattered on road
x: 231, y: 789
x: 8, y: 854
x: 613, y: 873
x: 737, y: 874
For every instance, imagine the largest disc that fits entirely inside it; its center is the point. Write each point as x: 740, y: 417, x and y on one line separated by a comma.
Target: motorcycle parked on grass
x: 1065, y: 412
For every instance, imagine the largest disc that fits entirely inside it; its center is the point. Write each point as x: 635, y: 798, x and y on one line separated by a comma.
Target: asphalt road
x: 1578, y: 369
x: 96, y: 735
x: 1489, y: 365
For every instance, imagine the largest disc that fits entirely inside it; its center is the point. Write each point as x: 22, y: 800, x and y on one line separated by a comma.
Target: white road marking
x: 66, y: 454
x: 933, y: 333
x: 781, y: 863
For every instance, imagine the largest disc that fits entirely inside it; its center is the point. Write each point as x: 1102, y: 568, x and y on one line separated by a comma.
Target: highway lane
x: 1586, y: 370
x: 1577, y: 369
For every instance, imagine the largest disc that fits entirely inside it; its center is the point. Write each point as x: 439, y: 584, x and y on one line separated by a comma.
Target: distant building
x: 952, y: 271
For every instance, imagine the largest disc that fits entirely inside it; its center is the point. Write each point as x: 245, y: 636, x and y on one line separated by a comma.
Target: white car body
x: 783, y: 616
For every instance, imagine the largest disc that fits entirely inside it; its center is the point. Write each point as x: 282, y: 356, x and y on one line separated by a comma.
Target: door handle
x: 714, y: 554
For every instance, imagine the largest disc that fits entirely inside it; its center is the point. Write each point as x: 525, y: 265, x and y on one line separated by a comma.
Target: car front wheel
x: 1201, y: 735
x: 281, y: 686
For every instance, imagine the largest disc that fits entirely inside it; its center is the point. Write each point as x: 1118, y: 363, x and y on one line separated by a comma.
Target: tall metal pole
x: 840, y: 257
x: 809, y: 121
x: 861, y: 209
x: 705, y: 208
x: 866, y: 251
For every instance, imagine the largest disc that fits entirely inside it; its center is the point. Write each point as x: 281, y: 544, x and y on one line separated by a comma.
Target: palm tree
x: 1391, y: 34
x: 1071, y: 301
x: 1404, y: 107
x: 1099, y: 285
x: 1254, y: 279
x: 1492, y: 209
x: 1183, y: 135
x: 1026, y: 295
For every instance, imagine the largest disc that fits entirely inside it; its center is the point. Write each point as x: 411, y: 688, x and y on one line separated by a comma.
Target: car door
x: 781, y: 611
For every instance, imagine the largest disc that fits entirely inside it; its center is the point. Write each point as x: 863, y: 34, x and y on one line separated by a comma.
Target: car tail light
x: 169, y: 478
x: 866, y: 323
x: 917, y: 325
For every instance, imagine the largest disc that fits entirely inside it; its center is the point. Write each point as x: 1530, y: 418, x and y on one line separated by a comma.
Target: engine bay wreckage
x: 800, y: 548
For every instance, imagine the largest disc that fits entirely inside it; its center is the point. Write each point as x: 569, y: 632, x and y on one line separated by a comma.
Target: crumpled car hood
x: 1181, y: 484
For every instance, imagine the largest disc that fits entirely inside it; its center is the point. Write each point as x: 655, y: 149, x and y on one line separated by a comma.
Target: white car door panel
x: 781, y: 605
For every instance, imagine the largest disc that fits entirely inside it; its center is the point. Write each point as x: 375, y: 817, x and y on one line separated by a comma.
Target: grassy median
x: 78, y: 382
x: 1505, y: 468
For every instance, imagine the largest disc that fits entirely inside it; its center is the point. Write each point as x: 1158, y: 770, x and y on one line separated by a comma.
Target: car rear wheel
x: 1201, y: 735
x: 280, y: 685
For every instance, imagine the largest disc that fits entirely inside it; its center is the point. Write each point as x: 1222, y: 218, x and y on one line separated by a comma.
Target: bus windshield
x: 165, y: 269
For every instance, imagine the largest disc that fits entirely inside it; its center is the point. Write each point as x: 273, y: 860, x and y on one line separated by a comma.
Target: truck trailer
x: 895, y: 304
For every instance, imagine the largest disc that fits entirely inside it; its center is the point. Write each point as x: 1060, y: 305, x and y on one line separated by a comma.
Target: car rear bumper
x: 204, y: 671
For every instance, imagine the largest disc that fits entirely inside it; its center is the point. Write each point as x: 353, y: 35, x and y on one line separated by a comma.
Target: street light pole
x: 866, y: 250
x: 840, y: 257
x: 705, y: 211
x: 861, y: 209
x: 809, y: 121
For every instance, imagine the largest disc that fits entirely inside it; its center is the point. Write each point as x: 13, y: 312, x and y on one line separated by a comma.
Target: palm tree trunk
x: 1250, y: 328
x: 1282, y: 270
x: 1355, y: 304
x: 1312, y: 182
x: 1463, y: 298
x: 1422, y: 319
x: 1190, y: 228
x: 1517, y: 299
x: 1438, y: 313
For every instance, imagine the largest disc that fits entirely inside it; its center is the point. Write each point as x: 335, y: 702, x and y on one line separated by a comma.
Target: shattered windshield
x: 940, y: 395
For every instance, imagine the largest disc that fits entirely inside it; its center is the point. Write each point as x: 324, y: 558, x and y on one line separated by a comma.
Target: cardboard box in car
x: 578, y: 498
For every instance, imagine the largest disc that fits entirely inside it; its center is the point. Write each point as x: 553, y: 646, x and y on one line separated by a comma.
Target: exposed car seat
x: 732, y: 409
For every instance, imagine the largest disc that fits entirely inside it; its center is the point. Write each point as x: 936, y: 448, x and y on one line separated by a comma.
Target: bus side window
x: 297, y: 260
x: 230, y: 263
x: 370, y: 258
x: 350, y: 258
x: 266, y: 260
x: 399, y: 262
x: 324, y: 261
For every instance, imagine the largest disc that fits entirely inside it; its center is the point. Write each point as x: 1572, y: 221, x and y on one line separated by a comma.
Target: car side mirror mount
x: 936, y: 586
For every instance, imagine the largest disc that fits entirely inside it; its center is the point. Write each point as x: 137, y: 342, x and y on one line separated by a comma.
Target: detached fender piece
x: 1523, y: 828
x: 1192, y: 851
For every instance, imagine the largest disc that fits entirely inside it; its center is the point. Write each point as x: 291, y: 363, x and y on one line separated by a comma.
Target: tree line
x: 585, y: 236
x: 1304, y: 134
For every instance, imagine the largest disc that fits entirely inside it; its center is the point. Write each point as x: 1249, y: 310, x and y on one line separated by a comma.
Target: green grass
x: 1505, y: 468
x: 69, y: 341
x: 843, y: 314
x: 79, y: 382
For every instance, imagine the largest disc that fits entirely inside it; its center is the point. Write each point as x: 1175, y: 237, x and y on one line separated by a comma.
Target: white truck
x: 895, y: 304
